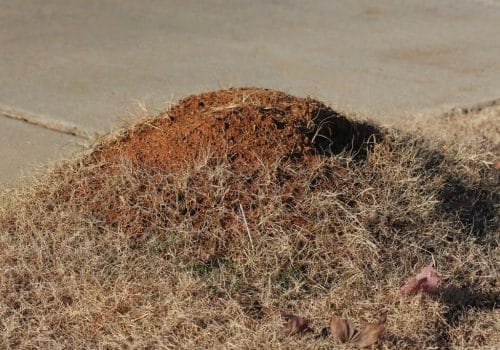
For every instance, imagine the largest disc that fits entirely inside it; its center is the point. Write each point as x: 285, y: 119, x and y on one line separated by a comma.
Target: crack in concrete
x: 47, y: 123
x: 473, y: 108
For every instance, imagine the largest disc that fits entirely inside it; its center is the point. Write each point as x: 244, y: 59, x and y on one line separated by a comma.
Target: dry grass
x: 142, y: 258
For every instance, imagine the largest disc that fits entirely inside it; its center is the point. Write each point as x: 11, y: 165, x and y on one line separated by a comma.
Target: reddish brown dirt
x: 265, y: 139
x: 242, y: 125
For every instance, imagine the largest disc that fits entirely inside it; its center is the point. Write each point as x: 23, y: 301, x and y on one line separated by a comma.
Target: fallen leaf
x: 344, y: 331
x: 411, y: 286
x: 427, y: 280
x: 295, y: 325
x: 371, y: 333
x: 430, y: 279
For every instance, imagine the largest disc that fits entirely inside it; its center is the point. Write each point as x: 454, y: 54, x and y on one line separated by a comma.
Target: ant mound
x: 211, y: 225
x: 244, y: 126
x: 236, y: 141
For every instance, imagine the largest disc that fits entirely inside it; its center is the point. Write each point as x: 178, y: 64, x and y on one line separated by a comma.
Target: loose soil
x: 242, y: 125
x: 250, y: 131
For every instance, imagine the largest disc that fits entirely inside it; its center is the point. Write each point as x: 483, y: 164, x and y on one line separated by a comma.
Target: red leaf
x: 427, y: 280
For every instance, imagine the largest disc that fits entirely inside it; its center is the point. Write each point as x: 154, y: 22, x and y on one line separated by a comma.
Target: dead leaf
x: 296, y: 325
x: 430, y: 278
x: 411, y: 286
x: 344, y: 331
x: 427, y: 280
x: 371, y: 333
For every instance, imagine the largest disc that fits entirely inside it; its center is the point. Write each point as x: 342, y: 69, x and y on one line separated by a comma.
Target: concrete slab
x: 24, y: 148
x: 86, y: 62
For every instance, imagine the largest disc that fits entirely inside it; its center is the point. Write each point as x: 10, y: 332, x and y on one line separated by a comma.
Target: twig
x: 246, y: 226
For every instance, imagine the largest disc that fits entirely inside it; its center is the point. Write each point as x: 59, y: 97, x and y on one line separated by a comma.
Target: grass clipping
x: 201, y: 227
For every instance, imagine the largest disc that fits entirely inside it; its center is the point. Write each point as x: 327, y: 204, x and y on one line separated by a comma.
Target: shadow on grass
x: 475, y: 205
x: 473, y: 202
x: 331, y: 133
x: 460, y: 301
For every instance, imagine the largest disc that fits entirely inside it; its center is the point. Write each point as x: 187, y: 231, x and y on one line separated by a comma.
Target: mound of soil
x: 153, y: 252
x: 241, y: 125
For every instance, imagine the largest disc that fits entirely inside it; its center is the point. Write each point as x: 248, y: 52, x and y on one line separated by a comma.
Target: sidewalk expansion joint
x: 46, y: 123
x: 473, y: 108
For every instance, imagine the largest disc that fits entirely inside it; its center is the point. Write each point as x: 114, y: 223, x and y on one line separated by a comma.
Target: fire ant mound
x: 243, y: 126
x: 256, y: 136
x: 235, y: 212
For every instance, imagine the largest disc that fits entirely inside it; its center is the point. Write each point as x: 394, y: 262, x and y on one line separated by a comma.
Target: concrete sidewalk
x: 87, y: 63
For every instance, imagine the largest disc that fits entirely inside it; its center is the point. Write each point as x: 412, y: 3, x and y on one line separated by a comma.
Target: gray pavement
x: 25, y: 145
x: 88, y: 62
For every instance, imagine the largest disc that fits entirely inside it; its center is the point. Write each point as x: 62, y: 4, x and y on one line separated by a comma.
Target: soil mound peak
x: 243, y: 126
